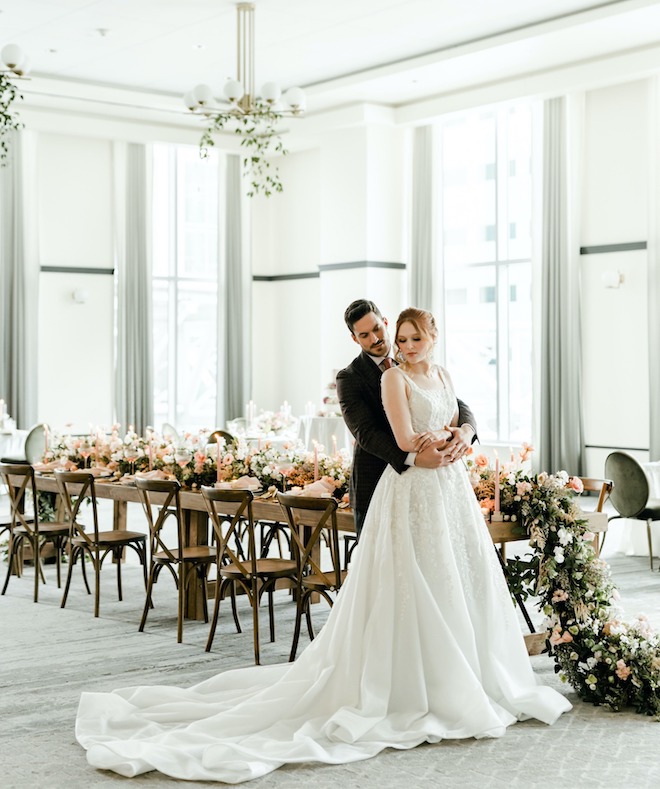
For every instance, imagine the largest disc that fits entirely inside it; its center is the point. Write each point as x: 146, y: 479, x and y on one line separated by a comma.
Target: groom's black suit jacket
x: 358, y: 390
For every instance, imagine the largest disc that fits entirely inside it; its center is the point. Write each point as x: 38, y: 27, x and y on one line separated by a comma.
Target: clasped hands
x: 442, y: 447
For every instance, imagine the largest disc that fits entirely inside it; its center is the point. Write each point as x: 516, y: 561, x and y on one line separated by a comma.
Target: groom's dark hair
x: 358, y: 309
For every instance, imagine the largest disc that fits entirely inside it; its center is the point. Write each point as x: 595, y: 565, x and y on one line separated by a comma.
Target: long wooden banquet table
x: 197, y: 528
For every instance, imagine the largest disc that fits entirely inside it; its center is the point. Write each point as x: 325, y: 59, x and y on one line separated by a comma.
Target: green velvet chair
x: 630, y: 492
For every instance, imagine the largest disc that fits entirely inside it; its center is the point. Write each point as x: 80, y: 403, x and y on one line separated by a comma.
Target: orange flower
x: 526, y: 451
x: 481, y: 461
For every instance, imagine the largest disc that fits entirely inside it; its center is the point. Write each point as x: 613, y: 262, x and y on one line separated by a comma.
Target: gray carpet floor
x: 50, y: 655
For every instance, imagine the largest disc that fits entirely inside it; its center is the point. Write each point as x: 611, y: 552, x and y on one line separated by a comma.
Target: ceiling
x: 391, y: 52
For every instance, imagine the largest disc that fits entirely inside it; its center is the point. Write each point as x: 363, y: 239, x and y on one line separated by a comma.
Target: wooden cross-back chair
x: 239, y: 563
x: 312, y: 521
x: 74, y: 487
x: 27, y: 528
x: 603, y: 487
x: 185, y: 563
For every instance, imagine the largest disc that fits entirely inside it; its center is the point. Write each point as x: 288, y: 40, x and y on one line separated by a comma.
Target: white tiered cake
x: 330, y: 405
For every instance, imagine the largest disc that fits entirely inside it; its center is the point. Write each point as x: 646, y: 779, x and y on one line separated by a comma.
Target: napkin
x: 65, y: 465
x: 321, y: 489
x: 155, y: 474
x: 97, y: 471
x: 242, y: 483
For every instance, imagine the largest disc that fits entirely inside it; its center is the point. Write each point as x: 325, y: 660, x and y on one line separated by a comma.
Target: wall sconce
x: 611, y: 279
x: 80, y: 295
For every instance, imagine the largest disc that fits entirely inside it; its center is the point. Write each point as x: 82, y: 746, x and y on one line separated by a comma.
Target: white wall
x: 76, y: 360
x: 342, y: 205
x: 286, y: 331
x: 286, y: 323
x: 286, y: 226
x: 615, y: 190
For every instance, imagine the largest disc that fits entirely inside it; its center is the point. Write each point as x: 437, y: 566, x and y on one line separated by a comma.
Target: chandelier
x: 253, y: 117
x: 15, y: 67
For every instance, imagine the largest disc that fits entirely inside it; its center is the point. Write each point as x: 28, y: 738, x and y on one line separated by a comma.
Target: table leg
x: 119, y: 515
x: 119, y: 521
x: 196, y: 533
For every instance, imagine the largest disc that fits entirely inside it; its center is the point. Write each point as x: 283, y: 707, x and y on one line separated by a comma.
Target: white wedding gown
x: 423, y: 644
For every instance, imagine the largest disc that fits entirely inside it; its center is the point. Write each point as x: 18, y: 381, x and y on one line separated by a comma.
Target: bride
x: 423, y: 643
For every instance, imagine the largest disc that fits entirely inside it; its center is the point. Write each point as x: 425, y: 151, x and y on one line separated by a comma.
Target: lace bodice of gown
x: 430, y: 409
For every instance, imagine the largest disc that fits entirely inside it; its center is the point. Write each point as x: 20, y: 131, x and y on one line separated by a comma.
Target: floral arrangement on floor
x: 606, y: 660
x: 194, y: 462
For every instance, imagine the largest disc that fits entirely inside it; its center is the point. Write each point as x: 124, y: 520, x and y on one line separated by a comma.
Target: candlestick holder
x: 496, y: 517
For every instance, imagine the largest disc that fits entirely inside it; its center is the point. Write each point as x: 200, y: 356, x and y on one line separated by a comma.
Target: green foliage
x: 606, y: 660
x: 259, y: 139
x: 8, y: 120
x: 46, y: 503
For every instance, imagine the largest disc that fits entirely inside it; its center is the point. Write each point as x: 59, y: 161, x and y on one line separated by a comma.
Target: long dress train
x: 423, y: 644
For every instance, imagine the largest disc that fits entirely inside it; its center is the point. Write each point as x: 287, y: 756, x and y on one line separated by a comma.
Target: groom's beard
x: 379, y: 348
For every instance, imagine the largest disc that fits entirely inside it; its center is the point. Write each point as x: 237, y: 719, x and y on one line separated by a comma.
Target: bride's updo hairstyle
x: 423, y: 322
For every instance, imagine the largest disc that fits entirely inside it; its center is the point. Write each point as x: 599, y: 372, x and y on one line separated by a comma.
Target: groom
x: 358, y: 390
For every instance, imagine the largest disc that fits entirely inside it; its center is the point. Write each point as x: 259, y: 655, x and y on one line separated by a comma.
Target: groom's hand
x: 445, y: 452
x: 433, y: 456
x: 460, y: 441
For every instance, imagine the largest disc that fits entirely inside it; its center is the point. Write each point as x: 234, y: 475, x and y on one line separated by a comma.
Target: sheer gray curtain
x: 561, y: 431
x: 134, y: 376
x: 19, y: 281
x: 421, y: 258
x: 654, y: 350
x: 234, y: 303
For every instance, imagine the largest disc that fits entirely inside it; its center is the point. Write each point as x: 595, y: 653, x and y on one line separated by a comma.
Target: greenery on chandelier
x: 8, y: 120
x: 606, y: 660
x: 259, y: 140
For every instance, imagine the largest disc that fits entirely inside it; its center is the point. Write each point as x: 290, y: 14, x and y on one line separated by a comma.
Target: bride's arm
x: 395, y: 392
x: 461, y: 434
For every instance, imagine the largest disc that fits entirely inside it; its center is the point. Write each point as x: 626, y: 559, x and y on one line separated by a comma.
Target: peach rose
x: 481, y: 461
x: 557, y: 637
x: 622, y: 671
x: 575, y: 483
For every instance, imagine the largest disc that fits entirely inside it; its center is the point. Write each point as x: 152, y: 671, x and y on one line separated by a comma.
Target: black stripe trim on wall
x: 622, y: 449
x: 76, y: 270
x: 327, y: 267
x: 360, y: 264
x: 283, y: 277
x: 598, y: 250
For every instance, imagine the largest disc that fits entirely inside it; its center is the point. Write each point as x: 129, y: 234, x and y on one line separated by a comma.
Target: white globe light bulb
x: 270, y: 92
x: 24, y: 69
x: 233, y: 90
x: 189, y: 100
x: 202, y: 94
x: 295, y: 98
x: 12, y: 56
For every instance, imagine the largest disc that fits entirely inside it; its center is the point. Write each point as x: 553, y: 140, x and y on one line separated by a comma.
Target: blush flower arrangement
x: 606, y: 660
x: 274, y: 422
x: 195, y: 462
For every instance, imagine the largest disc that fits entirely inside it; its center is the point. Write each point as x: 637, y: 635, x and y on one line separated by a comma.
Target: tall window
x: 486, y: 204
x: 185, y: 287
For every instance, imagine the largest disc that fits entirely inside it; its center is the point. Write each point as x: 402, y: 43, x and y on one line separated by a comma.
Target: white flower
x: 564, y: 536
x: 559, y: 555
